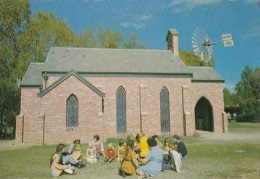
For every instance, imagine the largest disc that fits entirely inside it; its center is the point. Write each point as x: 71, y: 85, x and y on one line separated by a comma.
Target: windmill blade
x: 201, y: 44
x: 196, y: 51
x: 194, y: 40
x: 195, y: 46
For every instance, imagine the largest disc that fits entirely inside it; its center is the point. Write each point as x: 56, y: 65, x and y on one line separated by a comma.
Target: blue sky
x: 150, y: 20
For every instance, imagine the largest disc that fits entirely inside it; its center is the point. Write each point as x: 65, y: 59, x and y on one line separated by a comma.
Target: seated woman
x: 129, y: 162
x: 156, y: 137
x: 143, y: 145
x: 166, y: 163
x: 179, y: 154
x: 153, y: 160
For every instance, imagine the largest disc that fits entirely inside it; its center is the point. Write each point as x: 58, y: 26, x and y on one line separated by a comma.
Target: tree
x: 229, y: 98
x: 99, y: 38
x: 190, y: 59
x: 42, y: 33
x: 24, y: 39
x: 133, y: 44
x: 248, y: 91
x: 14, y: 15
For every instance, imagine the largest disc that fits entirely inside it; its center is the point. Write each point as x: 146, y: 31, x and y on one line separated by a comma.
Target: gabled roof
x: 118, y: 62
x: 201, y: 74
x: 99, y: 60
x: 72, y: 72
x: 33, y: 75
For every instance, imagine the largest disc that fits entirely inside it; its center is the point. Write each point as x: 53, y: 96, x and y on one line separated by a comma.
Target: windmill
x: 203, y: 46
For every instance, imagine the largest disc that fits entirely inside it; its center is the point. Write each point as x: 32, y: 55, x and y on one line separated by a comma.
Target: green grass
x: 205, y: 160
x: 234, y: 157
x: 244, y: 127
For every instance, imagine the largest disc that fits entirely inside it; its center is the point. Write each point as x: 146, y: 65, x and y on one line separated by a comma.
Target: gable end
x: 72, y: 72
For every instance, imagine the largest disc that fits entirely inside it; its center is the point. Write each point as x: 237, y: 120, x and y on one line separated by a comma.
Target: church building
x: 114, y: 92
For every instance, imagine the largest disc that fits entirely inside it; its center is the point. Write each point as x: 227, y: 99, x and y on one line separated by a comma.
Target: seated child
x: 73, y: 158
x: 57, y: 168
x: 75, y: 142
x: 121, y: 150
x: 91, y: 153
x: 110, y: 153
x: 99, y: 146
x: 61, y: 150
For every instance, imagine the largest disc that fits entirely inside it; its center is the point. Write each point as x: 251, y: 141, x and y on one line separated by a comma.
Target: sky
x: 151, y: 19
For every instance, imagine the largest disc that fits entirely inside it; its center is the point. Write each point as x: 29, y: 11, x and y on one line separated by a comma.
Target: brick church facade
x: 114, y: 92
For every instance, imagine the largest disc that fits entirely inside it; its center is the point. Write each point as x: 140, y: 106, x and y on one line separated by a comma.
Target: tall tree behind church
x: 248, y: 92
x: 14, y: 15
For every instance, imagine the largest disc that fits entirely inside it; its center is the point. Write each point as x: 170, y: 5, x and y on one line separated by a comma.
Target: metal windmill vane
x: 203, y: 46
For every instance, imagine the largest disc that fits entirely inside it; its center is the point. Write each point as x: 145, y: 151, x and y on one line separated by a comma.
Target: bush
x: 248, y: 118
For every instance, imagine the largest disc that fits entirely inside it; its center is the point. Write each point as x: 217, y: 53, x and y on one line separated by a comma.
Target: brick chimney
x: 172, y: 41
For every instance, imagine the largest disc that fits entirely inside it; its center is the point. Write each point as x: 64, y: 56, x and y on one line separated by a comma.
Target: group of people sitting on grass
x: 137, y: 155
x: 66, y: 161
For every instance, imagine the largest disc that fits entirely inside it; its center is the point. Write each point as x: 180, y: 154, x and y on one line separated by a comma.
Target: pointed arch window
x: 72, y: 113
x: 165, y: 110
x: 121, y: 110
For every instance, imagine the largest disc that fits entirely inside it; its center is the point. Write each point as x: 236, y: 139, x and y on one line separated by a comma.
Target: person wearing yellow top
x: 143, y: 145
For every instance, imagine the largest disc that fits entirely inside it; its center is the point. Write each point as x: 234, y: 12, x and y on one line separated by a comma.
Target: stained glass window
x: 72, y: 113
x: 165, y: 110
x: 121, y: 110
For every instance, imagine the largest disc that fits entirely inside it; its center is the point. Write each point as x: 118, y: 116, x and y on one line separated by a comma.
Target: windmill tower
x: 203, y: 46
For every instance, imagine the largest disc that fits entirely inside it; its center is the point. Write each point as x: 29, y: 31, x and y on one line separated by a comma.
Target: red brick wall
x: 91, y: 119
x: 213, y: 92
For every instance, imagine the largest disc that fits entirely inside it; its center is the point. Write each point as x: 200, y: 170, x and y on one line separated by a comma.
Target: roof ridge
x: 36, y: 63
x: 200, y: 67
x: 123, y: 49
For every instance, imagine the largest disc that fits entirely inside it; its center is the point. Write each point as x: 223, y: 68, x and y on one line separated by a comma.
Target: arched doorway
x: 204, y: 115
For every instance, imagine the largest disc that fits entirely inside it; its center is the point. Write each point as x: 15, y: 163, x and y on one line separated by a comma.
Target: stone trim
x: 72, y: 72
x: 125, y: 74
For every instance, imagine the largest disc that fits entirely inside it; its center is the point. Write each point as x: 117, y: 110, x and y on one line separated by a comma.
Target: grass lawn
x: 206, y: 160
x: 244, y: 127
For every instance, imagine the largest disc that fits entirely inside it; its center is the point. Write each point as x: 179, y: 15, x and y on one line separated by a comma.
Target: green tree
x: 14, y: 16
x: 42, y: 33
x: 132, y: 43
x: 24, y: 39
x: 99, y: 38
x: 229, y: 98
x: 110, y: 39
x: 190, y: 59
x: 248, y: 91
x: 87, y: 39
